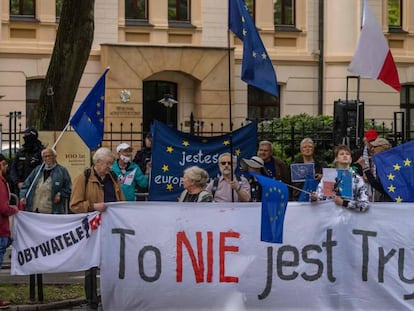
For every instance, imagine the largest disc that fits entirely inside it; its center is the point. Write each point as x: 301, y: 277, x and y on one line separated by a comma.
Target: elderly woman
x: 194, y: 182
x: 307, y: 149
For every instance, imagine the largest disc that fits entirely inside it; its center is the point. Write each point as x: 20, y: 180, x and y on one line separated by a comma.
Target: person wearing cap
x: 6, y: 210
x: 255, y: 165
x: 229, y: 187
x: 129, y: 173
x: 369, y: 136
x: 307, y: 149
x: 26, y: 159
x: 377, y: 146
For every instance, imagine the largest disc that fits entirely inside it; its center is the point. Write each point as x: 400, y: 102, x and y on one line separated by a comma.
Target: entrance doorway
x: 154, y: 91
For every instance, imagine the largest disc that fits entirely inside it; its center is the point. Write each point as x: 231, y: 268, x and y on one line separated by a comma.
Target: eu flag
x: 309, y: 186
x: 395, y: 170
x: 257, y: 68
x: 173, y: 151
x: 275, y: 197
x: 88, y: 120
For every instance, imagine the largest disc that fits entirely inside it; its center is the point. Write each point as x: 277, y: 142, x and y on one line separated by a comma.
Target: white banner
x: 46, y: 243
x: 208, y: 256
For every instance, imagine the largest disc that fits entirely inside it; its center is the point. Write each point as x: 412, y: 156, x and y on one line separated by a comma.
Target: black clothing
x: 142, y: 157
x: 27, y: 158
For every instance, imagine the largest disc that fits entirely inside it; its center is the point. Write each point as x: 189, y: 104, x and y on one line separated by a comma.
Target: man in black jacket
x: 27, y: 158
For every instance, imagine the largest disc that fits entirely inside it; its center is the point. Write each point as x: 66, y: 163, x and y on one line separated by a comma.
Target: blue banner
x: 173, y: 151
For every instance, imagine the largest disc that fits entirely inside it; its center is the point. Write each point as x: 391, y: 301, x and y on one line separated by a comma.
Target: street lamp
x: 168, y: 102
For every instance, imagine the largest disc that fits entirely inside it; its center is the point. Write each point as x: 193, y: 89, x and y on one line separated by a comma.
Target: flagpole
x: 230, y: 101
x: 43, y: 163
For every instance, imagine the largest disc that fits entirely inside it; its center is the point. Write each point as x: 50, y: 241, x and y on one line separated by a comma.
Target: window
x: 58, y: 8
x: 407, y: 106
x: 22, y: 8
x: 179, y: 10
x: 284, y: 12
x: 261, y: 105
x: 136, y: 10
x: 395, y: 14
x: 33, y: 88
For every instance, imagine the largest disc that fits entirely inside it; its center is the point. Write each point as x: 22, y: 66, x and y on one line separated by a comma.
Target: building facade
x: 183, y: 48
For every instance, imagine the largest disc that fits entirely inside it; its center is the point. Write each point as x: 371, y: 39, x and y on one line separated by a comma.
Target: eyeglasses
x: 225, y: 162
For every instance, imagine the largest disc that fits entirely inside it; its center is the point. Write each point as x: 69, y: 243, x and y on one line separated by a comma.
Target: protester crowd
x: 44, y: 186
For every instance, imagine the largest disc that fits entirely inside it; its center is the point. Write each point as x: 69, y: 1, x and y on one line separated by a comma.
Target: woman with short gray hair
x: 194, y: 182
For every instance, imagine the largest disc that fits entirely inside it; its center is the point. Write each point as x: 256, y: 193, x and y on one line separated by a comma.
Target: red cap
x: 371, y: 135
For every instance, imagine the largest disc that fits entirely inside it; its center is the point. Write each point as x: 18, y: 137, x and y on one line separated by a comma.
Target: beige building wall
x: 25, y: 49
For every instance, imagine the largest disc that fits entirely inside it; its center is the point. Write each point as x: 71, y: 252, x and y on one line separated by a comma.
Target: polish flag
x: 373, y: 58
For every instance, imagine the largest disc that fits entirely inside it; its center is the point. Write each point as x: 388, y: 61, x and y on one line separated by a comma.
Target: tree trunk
x: 70, y: 54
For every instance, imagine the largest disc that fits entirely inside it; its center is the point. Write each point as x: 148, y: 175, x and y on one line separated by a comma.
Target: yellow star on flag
x: 391, y: 188
x: 226, y: 142
x: 391, y: 176
x: 165, y: 168
x: 399, y: 199
x: 397, y: 167
x: 186, y: 143
x: 238, y: 152
x: 170, y: 149
x: 407, y: 162
x: 169, y: 187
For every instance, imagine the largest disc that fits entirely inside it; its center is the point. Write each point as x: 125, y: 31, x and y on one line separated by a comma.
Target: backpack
x: 87, y: 173
x: 215, y: 184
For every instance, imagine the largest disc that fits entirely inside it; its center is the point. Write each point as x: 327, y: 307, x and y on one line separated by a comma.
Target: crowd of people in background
x: 44, y: 186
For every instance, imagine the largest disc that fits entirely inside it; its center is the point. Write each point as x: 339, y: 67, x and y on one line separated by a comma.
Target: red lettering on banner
x: 198, y: 261
x: 198, y: 267
x: 223, y: 249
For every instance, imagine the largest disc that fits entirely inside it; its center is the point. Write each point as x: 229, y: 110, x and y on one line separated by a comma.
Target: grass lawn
x: 18, y: 294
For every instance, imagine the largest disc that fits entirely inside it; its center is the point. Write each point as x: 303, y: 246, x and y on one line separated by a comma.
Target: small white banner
x: 208, y: 256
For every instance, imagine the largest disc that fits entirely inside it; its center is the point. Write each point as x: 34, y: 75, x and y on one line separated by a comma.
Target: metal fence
x: 286, y: 138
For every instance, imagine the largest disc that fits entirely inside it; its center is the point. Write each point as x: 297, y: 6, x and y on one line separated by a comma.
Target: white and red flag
x: 373, y: 58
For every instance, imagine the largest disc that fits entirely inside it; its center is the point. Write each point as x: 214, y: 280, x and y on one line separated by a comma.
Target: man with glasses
x: 50, y: 186
x: 91, y: 191
x: 229, y: 187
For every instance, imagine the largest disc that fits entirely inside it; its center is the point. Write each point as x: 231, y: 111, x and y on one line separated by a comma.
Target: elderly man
x: 129, y: 173
x: 91, y: 191
x: 276, y: 168
x: 46, y: 190
x: 229, y: 187
x: 50, y: 186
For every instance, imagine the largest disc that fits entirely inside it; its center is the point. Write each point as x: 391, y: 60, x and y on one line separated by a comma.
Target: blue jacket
x: 61, y: 183
x: 129, y: 179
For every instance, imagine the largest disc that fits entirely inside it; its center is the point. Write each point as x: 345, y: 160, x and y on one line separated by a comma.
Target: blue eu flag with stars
x: 173, y: 151
x: 395, y: 171
x: 275, y: 197
x: 257, y: 67
x: 88, y: 120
